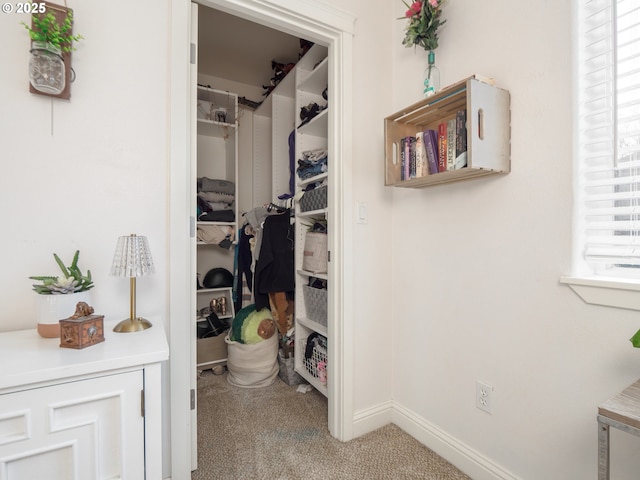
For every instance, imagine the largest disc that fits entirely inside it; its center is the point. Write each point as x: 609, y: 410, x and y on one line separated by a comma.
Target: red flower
x: 414, y: 9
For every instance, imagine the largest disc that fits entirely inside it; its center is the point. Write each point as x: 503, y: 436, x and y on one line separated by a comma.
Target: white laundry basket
x: 252, y: 365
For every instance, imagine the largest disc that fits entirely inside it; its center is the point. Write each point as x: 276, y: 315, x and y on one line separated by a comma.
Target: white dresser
x: 83, y: 414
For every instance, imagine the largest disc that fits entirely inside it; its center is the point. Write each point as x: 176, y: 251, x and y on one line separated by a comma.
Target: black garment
x: 274, y: 269
x: 244, y: 267
x: 292, y: 162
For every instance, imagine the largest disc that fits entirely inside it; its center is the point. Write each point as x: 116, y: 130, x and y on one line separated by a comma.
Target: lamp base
x: 127, y: 325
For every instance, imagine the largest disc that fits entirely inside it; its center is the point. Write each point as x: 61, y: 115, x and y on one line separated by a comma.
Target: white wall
x: 476, y: 266
x: 77, y: 174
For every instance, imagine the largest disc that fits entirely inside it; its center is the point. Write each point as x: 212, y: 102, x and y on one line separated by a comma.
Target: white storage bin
x: 315, y: 252
x: 252, y: 365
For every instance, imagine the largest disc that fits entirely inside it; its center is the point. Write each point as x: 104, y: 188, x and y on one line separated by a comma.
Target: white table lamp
x: 132, y: 259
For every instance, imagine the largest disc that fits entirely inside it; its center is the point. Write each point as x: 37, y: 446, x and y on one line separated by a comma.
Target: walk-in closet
x: 261, y: 205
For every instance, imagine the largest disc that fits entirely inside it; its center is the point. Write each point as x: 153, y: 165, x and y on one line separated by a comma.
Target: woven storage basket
x: 315, y: 199
x: 315, y: 302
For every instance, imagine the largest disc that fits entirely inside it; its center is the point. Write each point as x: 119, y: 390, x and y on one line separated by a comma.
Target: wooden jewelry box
x: 81, y: 332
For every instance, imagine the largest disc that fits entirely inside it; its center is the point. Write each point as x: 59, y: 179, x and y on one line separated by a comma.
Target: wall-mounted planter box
x: 488, y: 125
x: 60, y: 13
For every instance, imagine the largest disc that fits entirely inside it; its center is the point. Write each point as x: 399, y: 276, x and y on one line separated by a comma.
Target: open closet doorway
x: 324, y: 26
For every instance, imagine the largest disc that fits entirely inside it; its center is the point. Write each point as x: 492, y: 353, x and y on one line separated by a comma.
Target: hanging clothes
x: 274, y: 270
x: 244, y: 274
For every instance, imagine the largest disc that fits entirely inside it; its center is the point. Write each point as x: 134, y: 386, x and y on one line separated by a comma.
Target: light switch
x: 362, y: 212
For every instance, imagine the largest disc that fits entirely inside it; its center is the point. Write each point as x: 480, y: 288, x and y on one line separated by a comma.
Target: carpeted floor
x: 278, y: 433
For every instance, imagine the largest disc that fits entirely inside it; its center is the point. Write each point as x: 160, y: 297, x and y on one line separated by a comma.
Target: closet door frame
x: 321, y: 24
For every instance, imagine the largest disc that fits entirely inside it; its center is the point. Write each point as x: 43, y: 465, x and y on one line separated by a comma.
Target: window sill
x: 606, y: 291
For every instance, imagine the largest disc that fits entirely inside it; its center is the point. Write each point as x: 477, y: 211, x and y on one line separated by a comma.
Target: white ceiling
x: 236, y: 49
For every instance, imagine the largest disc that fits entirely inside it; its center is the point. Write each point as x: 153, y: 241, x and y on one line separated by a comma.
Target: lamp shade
x: 132, y: 257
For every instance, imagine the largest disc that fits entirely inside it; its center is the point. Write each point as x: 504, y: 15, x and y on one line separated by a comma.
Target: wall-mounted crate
x: 488, y: 127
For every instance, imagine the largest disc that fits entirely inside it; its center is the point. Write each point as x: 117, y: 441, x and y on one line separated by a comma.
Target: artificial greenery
x: 46, y: 29
x: 424, y: 22
x: 72, y: 281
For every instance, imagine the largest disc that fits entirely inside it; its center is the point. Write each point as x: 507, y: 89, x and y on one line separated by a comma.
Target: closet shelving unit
x: 311, y: 80
x: 217, y: 158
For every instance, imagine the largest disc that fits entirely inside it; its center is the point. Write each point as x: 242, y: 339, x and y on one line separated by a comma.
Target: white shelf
x: 311, y: 80
x: 317, y: 126
x: 315, y: 326
x: 314, y: 62
x: 227, y: 224
x: 307, y: 274
x: 213, y: 290
x: 217, y: 158
x: 314, y: 179
x: 312, y: 213
x: 215, y: 129
x: 315, y: 81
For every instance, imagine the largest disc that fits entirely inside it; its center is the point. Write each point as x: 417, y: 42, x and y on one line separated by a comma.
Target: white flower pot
x: 53, y: 308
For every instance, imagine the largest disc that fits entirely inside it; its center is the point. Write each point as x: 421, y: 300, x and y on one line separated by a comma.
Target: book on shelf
x: 461, y: 139
x: 451, y: 144
x: 430, y: 138
x: 402, y: 142
x: 422, y: 168
x: 407, y: 161
x: 412, y: 157
x: 433, y: 151
x: 442, y: 147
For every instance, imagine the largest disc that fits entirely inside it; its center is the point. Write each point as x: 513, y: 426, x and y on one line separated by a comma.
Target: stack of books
x: 434, y: 151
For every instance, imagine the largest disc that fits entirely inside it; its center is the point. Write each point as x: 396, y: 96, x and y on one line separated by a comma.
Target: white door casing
x: 320, y: 23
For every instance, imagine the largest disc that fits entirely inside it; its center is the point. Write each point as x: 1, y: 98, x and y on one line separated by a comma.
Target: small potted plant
x: 58, y: 295
x: 50, y: 38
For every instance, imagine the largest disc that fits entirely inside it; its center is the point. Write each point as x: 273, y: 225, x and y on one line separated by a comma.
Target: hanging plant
x: 46, y: 29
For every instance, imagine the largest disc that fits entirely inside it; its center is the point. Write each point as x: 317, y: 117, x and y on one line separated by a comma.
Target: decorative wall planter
x: 46, y: 68
x: 44, y: 76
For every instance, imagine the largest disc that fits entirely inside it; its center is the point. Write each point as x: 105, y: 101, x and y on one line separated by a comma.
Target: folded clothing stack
x: 312, y: 163
x: 215, y: 200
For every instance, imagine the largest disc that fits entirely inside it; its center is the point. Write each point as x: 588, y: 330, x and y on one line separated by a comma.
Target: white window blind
x: 609, y: 133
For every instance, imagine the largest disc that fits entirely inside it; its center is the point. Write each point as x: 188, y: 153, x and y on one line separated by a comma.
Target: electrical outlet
x: 483, y: 396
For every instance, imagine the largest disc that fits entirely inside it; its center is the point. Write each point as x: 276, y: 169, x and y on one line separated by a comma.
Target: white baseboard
x: 373, y: 418
x: 462, y: 456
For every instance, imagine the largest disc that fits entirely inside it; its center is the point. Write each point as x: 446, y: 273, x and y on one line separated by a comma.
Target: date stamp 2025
x: 24, y: 7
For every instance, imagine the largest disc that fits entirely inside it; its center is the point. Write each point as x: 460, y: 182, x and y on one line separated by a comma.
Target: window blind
x: 609, y: 131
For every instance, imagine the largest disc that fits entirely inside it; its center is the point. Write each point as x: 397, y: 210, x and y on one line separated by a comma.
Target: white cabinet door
x: 82, y: 430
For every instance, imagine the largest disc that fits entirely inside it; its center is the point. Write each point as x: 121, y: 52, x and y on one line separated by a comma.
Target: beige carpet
x: 278, y: 433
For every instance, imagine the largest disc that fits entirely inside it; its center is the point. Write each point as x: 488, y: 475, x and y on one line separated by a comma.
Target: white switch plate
x: 362, y: 213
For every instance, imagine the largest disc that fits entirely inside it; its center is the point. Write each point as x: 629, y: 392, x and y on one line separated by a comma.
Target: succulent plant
x: 71, y: 281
